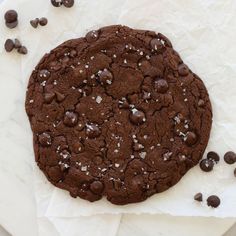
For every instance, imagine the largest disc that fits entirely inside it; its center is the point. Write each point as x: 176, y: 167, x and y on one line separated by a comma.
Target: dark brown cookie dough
x: 117, y: 114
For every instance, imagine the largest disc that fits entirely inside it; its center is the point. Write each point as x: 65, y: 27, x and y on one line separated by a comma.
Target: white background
x: 130, y: 224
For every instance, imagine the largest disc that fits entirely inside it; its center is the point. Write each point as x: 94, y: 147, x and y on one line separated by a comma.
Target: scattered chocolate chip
x: 191, y: 138
x: 10, y: 16
x: 206, y: 165
x: 183, y: 70
x: 235, y: 172
x: 68, y: 3
x: 48, y: 97
x: 35, y: 22
x: 9, y: 45
x: 60, y: 97
x: 201, y: 103
x: 11, y: 19
x: 213, y: 156
x: 43, y: 21
x: 230, y: 157
x: 92, y: 36
x: 22, y: 50
x: 96, y: 187
x: 45, y: 139
x: 17, y: 43
x: 92, y: 130
x: 137, y: 117
x: 198, y: 197
x: 156, y: 45
x: 161, y: 86
x: 70, y: 119
x: 12, y: 24
x: 213, y: 201
x: 56, y: 3
x: 105, y: 77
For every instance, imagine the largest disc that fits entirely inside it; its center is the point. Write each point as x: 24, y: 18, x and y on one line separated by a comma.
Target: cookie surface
x: 117, y: 114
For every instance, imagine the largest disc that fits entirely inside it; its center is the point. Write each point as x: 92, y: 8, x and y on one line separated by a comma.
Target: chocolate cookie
x: 117, y: 114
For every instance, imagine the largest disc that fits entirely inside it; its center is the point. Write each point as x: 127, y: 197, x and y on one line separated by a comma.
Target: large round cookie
x: 117, y: 114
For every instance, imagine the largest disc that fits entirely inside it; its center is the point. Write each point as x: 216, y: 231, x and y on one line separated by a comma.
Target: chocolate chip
x: 183, y: 70
x: 230, y: 157
x: 11, y: 16
x: 201, y: 103
x: 123, y: 104
x: 60, y: 97
x: 137, y: 117
x: 43, y: 21
x: 206, y: 165
x: 96, y: 187
x: 161, y: 86
x: 73, y: 53
x: 213, y: 156
x: 9, y: 45
x: 190, y: 138
x: 48, y: 97
x: 156, y: 45
x: 78, y: 147
x: 35, y: 22
x: 235, y: 172
x: 105, y: 77
x: 44, y: 73
x: 56, y: 3
x: 92, y: 36
x: 17, y: 43
x: 12, y: 24
x: 92, y: 130
x: 22, y: 50
x: 68, y: 3
x: 45, y: 139
x: 70, y: 119
x: 198, y: 197
x: 213, y: 201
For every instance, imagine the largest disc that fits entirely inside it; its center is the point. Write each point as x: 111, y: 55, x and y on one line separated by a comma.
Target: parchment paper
x: 203, y: 32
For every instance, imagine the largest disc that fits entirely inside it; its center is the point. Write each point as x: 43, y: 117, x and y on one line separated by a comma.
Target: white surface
x: 19, y: 216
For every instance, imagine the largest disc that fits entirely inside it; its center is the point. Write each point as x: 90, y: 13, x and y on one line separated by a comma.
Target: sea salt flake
x: 31, y: 101
x: 142, y: 154
x: 117, y: 165
x: 98, y: 99
x: 84, y: 168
